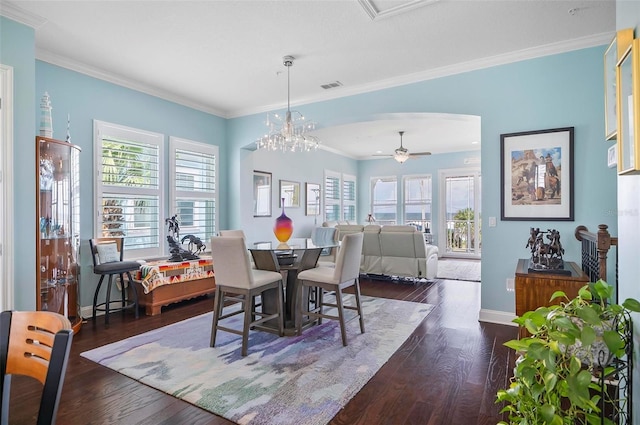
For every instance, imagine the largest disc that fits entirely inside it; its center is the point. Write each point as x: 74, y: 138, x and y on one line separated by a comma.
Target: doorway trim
x: 6, y: 188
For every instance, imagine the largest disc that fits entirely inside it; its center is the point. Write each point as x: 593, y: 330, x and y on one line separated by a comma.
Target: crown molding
x: 64, y: 62
x: 517, y: 56
x: 525, y: 54
x: 13, y: 12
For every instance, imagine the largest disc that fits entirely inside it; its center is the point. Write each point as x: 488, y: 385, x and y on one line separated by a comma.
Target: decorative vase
x: 283, y: 227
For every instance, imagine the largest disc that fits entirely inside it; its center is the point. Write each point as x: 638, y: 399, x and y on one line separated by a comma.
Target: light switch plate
x: 492, y: 222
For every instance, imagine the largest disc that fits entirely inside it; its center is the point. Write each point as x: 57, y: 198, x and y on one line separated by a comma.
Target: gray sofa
x: 392, y: 250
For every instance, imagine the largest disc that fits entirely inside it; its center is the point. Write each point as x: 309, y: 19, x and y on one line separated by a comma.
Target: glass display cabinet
x: 58, y: 228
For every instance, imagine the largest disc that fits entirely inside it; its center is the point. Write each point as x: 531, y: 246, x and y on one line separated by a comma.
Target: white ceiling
x: 225, y: 56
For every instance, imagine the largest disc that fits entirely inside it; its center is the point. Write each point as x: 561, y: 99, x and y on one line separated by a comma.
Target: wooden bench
x: 167, y: 283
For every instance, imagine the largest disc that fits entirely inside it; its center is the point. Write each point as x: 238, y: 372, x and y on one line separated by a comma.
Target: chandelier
x: 291, y: 132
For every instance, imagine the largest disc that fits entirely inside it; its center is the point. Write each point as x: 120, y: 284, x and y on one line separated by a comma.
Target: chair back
x: 232, y: 234
x: 34, y: 344
x: 97, y: 245
x: 231, y: 264
x: 348, y: 261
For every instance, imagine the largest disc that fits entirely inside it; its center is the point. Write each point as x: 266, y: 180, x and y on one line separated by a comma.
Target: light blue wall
x: 550, y: 92
x: 85, y: 98
x: 554, y: 91
x: 17, y: 50
x: 628, y: 213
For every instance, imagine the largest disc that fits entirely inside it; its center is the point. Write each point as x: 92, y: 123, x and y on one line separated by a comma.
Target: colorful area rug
x: 459, y: 269
x: 288, y: 380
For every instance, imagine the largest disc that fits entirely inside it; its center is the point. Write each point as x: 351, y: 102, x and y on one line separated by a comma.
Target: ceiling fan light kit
x: 291, y: 132
x: 402, y: 154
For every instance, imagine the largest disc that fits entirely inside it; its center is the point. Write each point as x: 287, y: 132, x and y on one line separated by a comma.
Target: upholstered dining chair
x: 232, y: 234
x: 34, y: 344
x: 237, y: 282
x: 328, y: 279
x: 108, y: 260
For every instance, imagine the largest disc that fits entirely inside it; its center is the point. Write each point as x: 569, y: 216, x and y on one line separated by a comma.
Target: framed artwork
x: 536, y: 175
x: 610, y: 104
x: 612, y: 156
x: 629, y: 109
x: 261, y: 194
x: 312, y: 191
x: 290, y: 194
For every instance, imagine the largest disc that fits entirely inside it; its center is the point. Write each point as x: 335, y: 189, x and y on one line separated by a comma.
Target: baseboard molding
x: 498, y: 317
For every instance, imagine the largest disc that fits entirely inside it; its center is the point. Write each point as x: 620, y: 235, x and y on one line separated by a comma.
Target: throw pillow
x: 108, y: 252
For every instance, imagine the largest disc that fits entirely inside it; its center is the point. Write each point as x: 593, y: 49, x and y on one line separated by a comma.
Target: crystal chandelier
x: 291, y: 132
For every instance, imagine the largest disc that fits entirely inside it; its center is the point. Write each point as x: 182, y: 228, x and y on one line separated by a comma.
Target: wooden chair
x: 237, y: 282
x: 328, y: 279
x: 34, y: 344
x: 108, y: 254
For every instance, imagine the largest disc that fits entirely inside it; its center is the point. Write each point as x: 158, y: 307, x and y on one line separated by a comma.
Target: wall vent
x: 331, y: 85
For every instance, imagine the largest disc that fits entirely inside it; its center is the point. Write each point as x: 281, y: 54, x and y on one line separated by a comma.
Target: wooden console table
x: 534, y: 289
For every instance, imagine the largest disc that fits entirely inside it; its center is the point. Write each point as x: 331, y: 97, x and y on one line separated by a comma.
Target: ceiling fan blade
x: 380, y: 154
x: 420, y: 154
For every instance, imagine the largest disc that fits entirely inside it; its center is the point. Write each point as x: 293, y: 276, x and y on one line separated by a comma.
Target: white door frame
x: 6, y: 188
x: 442, y: 202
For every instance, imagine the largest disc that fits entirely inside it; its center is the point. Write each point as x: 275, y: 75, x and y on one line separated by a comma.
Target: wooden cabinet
x: 534, y: 289
x: 58, y: 228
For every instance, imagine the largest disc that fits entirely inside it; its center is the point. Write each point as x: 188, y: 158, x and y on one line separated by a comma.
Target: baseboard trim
x: 498, y: 317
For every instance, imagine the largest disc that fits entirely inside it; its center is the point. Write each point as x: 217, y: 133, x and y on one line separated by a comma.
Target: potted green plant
x: 575, y: 351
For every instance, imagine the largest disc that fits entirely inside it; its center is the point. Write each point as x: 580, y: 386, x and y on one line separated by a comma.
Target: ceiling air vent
x: 331, y: 85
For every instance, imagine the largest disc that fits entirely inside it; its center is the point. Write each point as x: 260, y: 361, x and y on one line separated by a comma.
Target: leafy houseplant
x: 564, y: 366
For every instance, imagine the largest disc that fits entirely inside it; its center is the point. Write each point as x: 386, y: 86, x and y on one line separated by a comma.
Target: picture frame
x: 262, y: 193
x: 610, y: 102
x: 628, y: 93
x: 536, y: 175
x: 290, y: 194
x: 313, y: 199
x: 612, y: 156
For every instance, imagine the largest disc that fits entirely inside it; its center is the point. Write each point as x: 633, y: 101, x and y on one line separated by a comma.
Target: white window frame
x: 349, y: 202
x: 373, y: 204
x: 341, y: 202
x: 192, y: 146
x: 406, y: 202
x: 101, y: 128
x: 6, y: 189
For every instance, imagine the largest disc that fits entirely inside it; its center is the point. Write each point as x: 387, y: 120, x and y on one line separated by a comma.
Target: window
x: 339, y: 197
x: 192, y: 196
x: 384, y: 199
x: 349, y: 198
x: 417, y: 201
x: 128, y: 191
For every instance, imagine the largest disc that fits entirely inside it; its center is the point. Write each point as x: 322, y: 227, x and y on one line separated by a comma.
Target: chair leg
x: 298, y: 312
x: 108, y: 300
x: 217, y: 310
x: 319, y: 302
x: 281, y: 312
x: 134, y: 291
x: 122, y: 294
x: 248, y: 300
x: 359, y: 304
x: 341, y: 316
x: 95, y: 298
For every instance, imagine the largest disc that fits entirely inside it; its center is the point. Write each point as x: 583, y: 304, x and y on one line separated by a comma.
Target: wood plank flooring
x: 447, y: 372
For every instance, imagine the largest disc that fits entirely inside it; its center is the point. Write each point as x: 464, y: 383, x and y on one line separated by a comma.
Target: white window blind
x: 332, y: 196
x: 349, y: 198
x: 193, y: 196
x: 128, y: 187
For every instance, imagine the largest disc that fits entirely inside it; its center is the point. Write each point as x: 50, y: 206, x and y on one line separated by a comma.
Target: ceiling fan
x: 402, y: 154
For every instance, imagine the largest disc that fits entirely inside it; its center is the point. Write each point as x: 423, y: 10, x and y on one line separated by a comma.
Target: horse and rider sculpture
x: 177, y: 252
x: 545, y: 255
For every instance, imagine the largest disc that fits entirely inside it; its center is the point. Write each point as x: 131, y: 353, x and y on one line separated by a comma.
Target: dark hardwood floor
x: 447, y: 372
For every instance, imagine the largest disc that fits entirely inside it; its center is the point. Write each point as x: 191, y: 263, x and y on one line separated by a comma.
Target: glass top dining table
x: 292, y: 257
